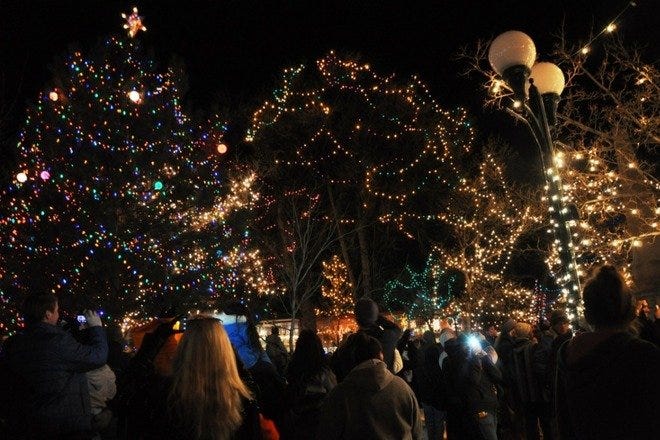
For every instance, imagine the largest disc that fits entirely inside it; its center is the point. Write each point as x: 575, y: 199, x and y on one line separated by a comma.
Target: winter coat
x: 428, y: 382
x: 525, y: 382
x: 371, y: 403
x: 607, y: 387
x: 49, y: 366
x: 277, y: 353
x: 304, y: 397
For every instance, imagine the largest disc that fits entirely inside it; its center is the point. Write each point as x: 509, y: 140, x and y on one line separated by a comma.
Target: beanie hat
x: 557, y: 317
x: 366, y: 312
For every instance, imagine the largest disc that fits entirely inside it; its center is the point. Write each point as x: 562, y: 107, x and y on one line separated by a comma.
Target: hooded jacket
x: 607, y: 387
x: 371, y: 403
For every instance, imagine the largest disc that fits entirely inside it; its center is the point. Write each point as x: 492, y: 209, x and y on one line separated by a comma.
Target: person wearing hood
x: 607, y: 385
x: 370, y: 402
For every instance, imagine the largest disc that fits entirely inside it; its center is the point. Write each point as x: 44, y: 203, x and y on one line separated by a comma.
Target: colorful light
x: 21, y: 177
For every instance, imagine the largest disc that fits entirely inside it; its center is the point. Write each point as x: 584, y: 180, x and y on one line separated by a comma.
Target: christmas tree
x: 115, y: 202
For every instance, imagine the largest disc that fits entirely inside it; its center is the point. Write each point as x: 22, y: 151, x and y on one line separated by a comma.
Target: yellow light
x: 53, y: 96
x: 222, y: 148
x: 134, y: 96
x: 517, y: 104
x: 585, y: 50
x: 21, y: 177
x: 610, y: 28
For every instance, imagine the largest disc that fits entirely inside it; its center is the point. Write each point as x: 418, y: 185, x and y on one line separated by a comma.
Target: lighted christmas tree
x: 108, y: 202
x: 336, y: 295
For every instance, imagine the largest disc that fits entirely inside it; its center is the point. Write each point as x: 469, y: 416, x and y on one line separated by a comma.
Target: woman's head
x: 607, y: 301
x: 522, y: 330
x: 308, y: 357
x: 207, y: 391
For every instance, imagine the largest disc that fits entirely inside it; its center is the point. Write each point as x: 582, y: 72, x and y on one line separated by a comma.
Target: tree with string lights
x: 336, y: 294
x: 487, y: 217
x: 606, y: 152
x: 113, y: 180
x: 381, y: 149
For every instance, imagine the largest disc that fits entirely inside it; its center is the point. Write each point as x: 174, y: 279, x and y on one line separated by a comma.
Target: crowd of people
x: 529, y: 382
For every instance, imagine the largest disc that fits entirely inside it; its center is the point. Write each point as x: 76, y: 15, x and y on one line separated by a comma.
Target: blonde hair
x: 207, y: 392
x: 523, y: 330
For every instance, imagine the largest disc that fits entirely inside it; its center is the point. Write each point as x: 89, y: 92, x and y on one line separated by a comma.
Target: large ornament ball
x: 53, y: 96
x: 45, y: 175
x: 21, y: 177
x: 134, y: 96
x: 222, y: 148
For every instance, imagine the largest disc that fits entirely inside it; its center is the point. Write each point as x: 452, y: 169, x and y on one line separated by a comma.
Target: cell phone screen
x: 81, y: 319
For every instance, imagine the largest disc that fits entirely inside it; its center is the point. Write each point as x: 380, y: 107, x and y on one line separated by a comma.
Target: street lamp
x: 536, y: 89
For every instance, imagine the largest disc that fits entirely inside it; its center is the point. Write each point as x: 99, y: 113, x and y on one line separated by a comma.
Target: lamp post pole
x: 536, y: 89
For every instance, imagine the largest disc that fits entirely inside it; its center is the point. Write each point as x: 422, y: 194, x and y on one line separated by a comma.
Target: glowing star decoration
x: 45, y: 175
x: 53, y: 96
x: 222, y: 148
x: 21, y: 177
x: 133, y: 23
x: 134, y: 96
x: 158, y: 185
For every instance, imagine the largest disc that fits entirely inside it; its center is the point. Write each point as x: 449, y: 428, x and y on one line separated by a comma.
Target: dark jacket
x: 525, y: 382
x: 50, y: 365
x: 481, y: 380
x: 607, y: 388
x: 428, y: 382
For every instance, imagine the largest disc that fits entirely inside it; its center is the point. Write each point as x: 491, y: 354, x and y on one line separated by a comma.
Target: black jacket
x: 607, y: 388
x: 49, y: 367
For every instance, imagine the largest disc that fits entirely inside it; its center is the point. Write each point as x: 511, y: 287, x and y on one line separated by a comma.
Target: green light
x: 158, y: 185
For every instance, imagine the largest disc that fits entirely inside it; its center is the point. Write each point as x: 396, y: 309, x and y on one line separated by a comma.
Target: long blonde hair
x: 207, y: 392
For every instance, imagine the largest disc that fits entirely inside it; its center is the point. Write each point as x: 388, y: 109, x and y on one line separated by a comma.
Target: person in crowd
x: 409, y: 350
x: 51, y: 396
x: 526, y: 389
x: 429, y: 387
x: 373, y: 324
x: 447, y: 334
x: 647, y: 329
x: 510, y: 424
x: 607, y: 385
x: 205, y: 398
x: 276, y: 350
x: 269, y: 385
x: 371, y: 402
x: 310, y: 380
x: 544, y: 365
x: 491, y: 333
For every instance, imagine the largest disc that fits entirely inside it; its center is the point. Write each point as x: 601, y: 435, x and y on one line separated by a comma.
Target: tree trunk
x: 342, y: 242
x: 364, y: 260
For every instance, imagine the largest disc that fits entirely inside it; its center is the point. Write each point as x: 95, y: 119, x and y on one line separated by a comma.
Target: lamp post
x: 536, y: 88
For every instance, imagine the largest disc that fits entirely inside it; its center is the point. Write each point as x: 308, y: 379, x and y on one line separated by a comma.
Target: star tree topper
x: 133, y: 23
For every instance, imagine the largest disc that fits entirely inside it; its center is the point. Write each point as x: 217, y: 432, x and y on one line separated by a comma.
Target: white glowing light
x: 53, y: 96
x: 222, y: 148
x: 134, y: 96
x: 21, y: 177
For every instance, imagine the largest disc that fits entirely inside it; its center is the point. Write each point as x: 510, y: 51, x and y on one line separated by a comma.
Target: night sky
x: 234, y: 50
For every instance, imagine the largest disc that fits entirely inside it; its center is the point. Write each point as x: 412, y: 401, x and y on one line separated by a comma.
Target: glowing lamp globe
x: 158, y: 185
x: 548, y: 78
x: 21, y: 177
x: 53, y: 96
x: 134, y: 96
x: 512, y: 48
x: 45, y: 175
x: 222, y: 148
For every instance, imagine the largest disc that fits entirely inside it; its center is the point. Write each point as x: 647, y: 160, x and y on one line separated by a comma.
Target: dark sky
x: 235, y: 49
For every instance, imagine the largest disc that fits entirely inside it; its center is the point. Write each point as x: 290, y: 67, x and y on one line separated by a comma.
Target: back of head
x: 35, y: 306
x: 207, y: 392
x: 366, y: 347
x: 275, y: 330
x: 607, y: 301
x: 308, y: 357
x: 366, y: 312
x: 508, y: 325
x: 523, y: 330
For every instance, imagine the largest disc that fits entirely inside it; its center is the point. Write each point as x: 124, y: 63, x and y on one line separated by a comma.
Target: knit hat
x: 508, y: 326
x: 366, y: 312
x: 557, y: 317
